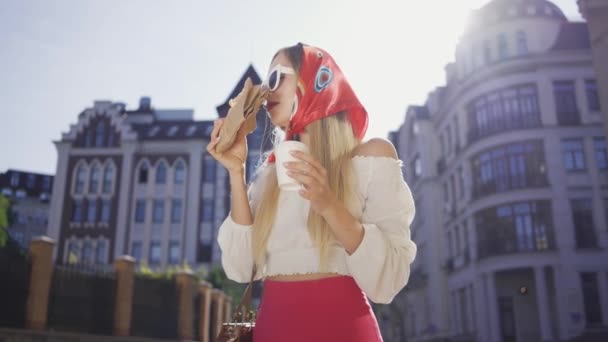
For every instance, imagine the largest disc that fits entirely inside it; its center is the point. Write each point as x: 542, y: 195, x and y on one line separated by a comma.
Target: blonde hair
x: 332, y: 143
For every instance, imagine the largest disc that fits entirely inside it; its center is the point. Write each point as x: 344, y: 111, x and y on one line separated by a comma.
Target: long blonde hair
x: 332, y: 143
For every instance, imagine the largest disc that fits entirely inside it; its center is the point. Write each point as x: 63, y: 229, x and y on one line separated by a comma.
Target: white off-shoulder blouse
x: 381, y: 263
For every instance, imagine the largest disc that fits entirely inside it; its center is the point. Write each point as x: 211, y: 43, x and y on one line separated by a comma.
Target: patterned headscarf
x: 322, y: 90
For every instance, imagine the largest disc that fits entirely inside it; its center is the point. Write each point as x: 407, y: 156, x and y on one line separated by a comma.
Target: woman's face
x: 280, y: 102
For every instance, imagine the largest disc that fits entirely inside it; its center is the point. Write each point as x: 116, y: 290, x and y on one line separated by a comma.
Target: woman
x: 344, y: 236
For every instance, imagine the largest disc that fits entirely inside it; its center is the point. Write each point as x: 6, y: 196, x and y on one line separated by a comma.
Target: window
x: 487, y: 52
x: 457, y: 240
x: 111, y: 137
x: 15, y: 179
x: 514, y: 227
x: 161, y: 173
x: 584, y: 228
x: 46, y: 184
x: 99, y: 134
x: 101, y: 251
x: 461, y: 182
x: 155, y: 252
x: 73, y: 252
x: 573, y: 154
x: 81, y: 175
x: 503, y: 110
x: 158, y: 213
x: 87, y: 251
x: 94, y: 181
x: 77, y: 211
x: 522, y: 43
x: 31, y: 181
x: 176, y: 211
x: 172, y: 131
x: 565, y: 103
x: 180, y: 172
x: 456, y: 134
x: 207, y: 210
x: 209, y: 173
x: 417, y: 168
x: 450, y: 245
x: 174, y: 252
x: 591, y: 298
x: 108, y: 175
x: 105, y: 211
x: 601, y: 156
x: 593, y: 100
x: 136, y: 250
x: 140, y: 211
x: 92, y: 211
x: 143, y: 174
x: 443, y: 147
x: 88, y: 142
x: 503, y: 46
x: 449, y: 140
x: 508, y: 167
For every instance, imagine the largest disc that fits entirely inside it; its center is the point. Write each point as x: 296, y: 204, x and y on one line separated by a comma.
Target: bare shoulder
x: 377, y: 147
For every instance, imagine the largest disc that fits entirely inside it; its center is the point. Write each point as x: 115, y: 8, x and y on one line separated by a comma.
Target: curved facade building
x: 509, y: 168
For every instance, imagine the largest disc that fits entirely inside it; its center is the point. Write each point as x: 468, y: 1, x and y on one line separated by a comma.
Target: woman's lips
x: 270, y: 105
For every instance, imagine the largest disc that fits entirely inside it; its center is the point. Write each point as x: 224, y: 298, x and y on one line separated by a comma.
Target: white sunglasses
x: 274, y: 76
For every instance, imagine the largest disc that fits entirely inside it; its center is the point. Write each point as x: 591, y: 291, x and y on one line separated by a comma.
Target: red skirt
x: 329, y: 309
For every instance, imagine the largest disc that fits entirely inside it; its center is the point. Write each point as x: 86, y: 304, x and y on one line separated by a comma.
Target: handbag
x: 241, y: 327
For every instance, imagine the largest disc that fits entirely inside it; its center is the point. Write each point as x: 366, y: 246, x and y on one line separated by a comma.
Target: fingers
x: 310, y: 160
x: 308, y: 181
x: 305, y: 168
x: 214, y: 138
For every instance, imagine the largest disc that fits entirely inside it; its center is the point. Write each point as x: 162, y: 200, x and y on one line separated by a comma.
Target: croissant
x: 242, y: 114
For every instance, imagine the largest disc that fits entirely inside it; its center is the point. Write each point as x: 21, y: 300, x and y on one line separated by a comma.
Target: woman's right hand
x: 234, y: 158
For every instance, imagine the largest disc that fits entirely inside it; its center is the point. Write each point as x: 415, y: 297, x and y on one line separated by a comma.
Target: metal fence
x: 82, y: 299
x: 14, y: 286
x: 154, y: 311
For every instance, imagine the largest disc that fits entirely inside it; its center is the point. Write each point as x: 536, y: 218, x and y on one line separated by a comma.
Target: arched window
x: 87, y: 251
x: 142, y: 177
x: 161, y: 173
x: 81, y: 175
x: 487, y: 52
x: 94, y: 181
x: 108, y: 175
x: 101, y: 252
x: 99, y: 134
x: 522, y: 43
x: 180, y: 173
x: 503, y: 46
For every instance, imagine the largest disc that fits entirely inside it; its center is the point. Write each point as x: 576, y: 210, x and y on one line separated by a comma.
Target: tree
x: 4, y: 219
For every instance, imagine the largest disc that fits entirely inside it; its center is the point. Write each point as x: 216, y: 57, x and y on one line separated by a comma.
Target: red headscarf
x: 323, y: 91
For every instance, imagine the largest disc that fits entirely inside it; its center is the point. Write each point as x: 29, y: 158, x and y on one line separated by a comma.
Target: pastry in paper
x: 241, y: 115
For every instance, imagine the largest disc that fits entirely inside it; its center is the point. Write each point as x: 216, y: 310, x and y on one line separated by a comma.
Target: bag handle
x: 246, y: 300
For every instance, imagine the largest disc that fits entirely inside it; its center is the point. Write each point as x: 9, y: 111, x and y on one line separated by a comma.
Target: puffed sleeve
x: 235, y: 240
x: 381, y: 263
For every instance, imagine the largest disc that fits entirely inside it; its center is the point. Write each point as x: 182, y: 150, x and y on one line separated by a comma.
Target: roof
x: 499, y: 11
x: 222, y: 109
x: 572, y: 36
x: 173, y: 130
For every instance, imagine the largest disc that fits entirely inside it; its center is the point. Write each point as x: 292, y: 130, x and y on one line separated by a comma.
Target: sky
x: 58, y: 57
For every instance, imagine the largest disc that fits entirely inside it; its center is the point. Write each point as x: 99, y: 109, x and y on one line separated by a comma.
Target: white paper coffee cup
x: 282, y: 155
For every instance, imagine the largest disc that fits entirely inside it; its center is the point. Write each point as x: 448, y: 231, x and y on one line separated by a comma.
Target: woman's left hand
x: 313, y: 176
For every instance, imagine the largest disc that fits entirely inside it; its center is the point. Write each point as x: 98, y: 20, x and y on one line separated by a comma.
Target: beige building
x: 509, y: 169
x: 596, y: 14
x: 141, y: 182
